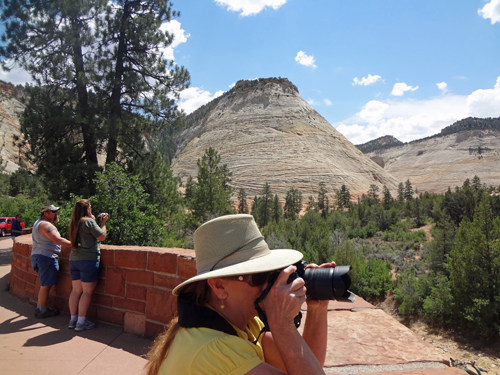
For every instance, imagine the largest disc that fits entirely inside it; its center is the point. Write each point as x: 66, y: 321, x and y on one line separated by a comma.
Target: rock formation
x: 265, y: 132
x: 439, y: 162
x: 10, y: 108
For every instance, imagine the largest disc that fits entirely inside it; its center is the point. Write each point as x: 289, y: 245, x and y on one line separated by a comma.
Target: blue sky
x: 370, y: 68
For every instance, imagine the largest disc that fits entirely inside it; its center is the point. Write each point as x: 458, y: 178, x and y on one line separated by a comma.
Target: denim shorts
x: 47, y: 269
x: 85, y: 270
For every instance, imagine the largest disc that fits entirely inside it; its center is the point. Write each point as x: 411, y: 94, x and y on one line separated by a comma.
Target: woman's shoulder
x: 88, y: 221
x: 199, y: 347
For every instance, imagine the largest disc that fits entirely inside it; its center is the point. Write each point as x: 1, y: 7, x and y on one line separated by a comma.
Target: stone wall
x: 134, y: 288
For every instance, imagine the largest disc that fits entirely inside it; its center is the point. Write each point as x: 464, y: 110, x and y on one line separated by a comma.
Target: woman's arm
x: 104, y: 218
x: 316, y: 325
x: 286, y: 349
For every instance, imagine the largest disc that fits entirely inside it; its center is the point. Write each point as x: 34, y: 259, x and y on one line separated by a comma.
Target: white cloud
x: 411, y: 119
x: 400, y: 88
x: 491, y: 11
x: 16, y: 76
x: 485, y: 103
x: 179, y: 36
x: 365, y: 81
x: 443, y: 86
x: 194, y: 97
x: 327, y: 102
x: 250, y: 7
x: 304, y: 59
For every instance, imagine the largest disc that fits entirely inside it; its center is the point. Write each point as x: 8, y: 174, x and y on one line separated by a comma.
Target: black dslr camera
x: 324, y: 283
x: 321, y: 283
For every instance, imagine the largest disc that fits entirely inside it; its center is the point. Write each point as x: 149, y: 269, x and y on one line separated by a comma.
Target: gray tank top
x: 42, y: 245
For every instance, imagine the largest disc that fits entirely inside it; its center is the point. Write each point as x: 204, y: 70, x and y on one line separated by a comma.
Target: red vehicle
x: 6, y: 224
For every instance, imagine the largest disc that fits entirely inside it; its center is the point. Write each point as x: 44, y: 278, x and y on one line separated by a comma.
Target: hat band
x: 235, y: 258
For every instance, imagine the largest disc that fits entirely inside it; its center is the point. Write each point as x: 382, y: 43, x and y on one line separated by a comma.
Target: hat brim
x: 274, y: 260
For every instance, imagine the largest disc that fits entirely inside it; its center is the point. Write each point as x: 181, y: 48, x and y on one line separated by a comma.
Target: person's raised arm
x: 287, y: 348
x: 316, y: 325
x: 104, y: 218
x: 50, y: 231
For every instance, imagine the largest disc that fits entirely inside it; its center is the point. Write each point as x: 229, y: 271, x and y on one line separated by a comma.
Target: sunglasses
x: 255, y: 279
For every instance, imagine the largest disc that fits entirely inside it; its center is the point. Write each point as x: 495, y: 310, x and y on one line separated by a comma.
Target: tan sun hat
x: 233, y: 245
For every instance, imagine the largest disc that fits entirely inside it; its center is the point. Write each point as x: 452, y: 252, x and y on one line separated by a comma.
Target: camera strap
x: 192, y: 315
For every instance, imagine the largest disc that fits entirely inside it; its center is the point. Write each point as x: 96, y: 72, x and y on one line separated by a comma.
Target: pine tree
x: 265, y: 206
x: 343, y: 196
x: 373, y: 194
x: 475, y: 270
x: 276, y: 210
x: 101, y: 81
x: 293, y: 204
x: 322, y: 195
x: 387, y: 197
x: 242, y: 205
x: 401, y: 193
x: 408, y: 191
x: 311, y: 205
x: 212, y: 193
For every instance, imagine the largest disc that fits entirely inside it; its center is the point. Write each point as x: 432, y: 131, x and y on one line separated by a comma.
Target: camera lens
x: 328, y: 283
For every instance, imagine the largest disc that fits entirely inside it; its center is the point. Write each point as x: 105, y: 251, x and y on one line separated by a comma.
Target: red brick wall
x: 134, y: 289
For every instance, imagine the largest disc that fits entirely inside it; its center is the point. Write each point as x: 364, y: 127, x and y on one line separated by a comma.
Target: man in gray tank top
x: 45, y: 257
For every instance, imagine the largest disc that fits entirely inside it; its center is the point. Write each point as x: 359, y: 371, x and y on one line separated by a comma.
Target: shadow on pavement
x: 5, y: 254
x: 24, y: 321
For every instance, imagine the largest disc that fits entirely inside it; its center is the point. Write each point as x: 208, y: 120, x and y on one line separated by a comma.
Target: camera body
x: 323, y: 283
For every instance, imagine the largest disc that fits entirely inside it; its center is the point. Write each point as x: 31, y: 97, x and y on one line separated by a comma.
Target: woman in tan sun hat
x: 218, y: 331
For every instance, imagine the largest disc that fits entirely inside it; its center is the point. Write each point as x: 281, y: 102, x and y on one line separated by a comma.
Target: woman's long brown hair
x: 80, y: 212
x: 199, y: 293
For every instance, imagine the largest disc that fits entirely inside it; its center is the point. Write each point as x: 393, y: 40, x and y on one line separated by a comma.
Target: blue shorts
x: 47, y: 269
x: 85, y: 270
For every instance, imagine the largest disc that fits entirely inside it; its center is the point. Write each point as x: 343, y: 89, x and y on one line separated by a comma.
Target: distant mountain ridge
x: 467, y: 148
x: 380, y: 143
x: 469, y: 123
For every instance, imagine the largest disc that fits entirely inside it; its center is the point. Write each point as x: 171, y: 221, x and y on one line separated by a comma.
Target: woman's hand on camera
x: 313, y: 304
x: 104, y: 217
x: 284, y: 300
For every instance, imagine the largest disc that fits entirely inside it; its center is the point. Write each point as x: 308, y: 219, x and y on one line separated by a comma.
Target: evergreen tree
x: 476, y: 183
x: 401, y: 193
x: 326, y: 208
x: 373, y: 194
x: 242, y: 199
x: 189, y: 190
x: 264, y: 209
x: 101, y: 81
x: 322, y: 197
x: 293, y: 204
x: 276, y: 210
x: 212, y: 193
x: 475, y: 270
x: 387, y: 197
x: 311, y: 205
x: 159, y: 183
x: 408, y: 191
x: 255, y: 205
x: 343, y: 196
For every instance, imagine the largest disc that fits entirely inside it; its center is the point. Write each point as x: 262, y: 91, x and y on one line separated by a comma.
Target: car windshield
x: 2, y: 221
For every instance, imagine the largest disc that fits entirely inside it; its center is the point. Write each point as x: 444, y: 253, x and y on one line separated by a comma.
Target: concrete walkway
x: 47, y: 347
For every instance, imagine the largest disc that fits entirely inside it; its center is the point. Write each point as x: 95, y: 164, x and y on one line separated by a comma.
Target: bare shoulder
x: 45, y: 226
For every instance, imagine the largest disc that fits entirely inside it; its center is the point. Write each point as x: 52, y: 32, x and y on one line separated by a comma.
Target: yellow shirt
x: 211, y: 352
